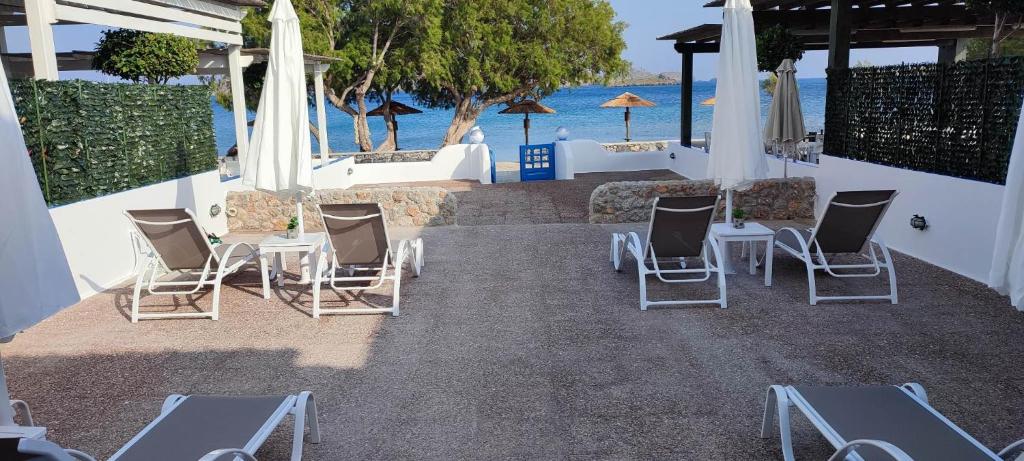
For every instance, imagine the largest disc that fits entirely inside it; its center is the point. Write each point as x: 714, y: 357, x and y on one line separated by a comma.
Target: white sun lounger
x: 359, y: 256
x: 180, y: 255
x: 678, y: 229
x: 847, y: 227
x: 876, y: 423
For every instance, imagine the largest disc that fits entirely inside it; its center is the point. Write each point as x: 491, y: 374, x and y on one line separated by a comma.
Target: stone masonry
x: 254, y: 211
x: 619, y: 202
x: 395, y: 156
x: 636, y: 146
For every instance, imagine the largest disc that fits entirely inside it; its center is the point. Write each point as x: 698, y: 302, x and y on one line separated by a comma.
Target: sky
x: 646, y: 20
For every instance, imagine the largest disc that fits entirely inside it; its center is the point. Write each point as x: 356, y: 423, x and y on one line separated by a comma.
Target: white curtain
x: 1007, y: 275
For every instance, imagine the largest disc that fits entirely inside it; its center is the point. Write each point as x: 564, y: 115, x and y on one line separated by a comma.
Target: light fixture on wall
x: 672, y: 155
x: 918, y: 222
x: 350, y: 171
x: 215, y: 210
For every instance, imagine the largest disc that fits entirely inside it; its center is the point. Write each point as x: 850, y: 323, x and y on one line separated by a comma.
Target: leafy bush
x: 138, y: 56
x: 775, y: 44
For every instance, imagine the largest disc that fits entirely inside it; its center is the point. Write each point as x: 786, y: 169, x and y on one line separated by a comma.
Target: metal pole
x: 627, y: 124
x: 728, y: 206
x: 394, y: 123
x: 526, y: 127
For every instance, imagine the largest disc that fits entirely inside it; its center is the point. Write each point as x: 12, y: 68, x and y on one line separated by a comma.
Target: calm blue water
x: 577, y: 110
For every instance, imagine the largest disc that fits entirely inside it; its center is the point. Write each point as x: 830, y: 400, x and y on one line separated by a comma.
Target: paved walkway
x: 520, y: 342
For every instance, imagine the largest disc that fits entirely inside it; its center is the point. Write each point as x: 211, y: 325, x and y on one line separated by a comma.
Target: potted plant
x: 739, y: 218
x: 293, y: 227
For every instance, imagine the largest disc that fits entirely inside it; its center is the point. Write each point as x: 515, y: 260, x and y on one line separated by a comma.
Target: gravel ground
x: 520, y: 342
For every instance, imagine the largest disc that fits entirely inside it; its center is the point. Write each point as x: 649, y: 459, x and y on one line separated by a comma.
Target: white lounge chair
x: 358, y: 256
x: 876, y: 423
x: 204, y: 428
x: 847, y: 227
x: 678, y: 229
x: 180, y: 255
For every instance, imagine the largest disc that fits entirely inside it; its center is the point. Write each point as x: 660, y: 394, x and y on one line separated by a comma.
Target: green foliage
x: 996, y: 6
x: 293, y: 223
x: 775, y: 44
x: 768, y: 84
x: 950, y: 119
x: 138, y: 56
x: 495, y: 50
x: 91, y: 139
x: 738, y: 213
x: 979, y: 48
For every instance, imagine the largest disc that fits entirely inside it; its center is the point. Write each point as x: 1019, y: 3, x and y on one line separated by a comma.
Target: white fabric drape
x: 1007, y: 274
x: 737, y: 149
x: 279, y: 158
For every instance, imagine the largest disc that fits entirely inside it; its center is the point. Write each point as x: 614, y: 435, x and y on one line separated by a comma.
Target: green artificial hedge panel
x: 950, y: 119
x: 90, y: 139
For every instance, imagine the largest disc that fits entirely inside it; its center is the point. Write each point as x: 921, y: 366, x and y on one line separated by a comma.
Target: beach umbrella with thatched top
x: 526, y: 108
x: 394, y: 109
x: 627, y: 100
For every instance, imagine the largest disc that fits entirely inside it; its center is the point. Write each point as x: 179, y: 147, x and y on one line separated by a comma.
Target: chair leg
x: 891, y: 270
x: 215, y: 311
x: 643, y: 286
x: 812, y: 289
x: 304, y: 413
x: 397, y: 288
x: 777, y: 402
x: 137, y: 292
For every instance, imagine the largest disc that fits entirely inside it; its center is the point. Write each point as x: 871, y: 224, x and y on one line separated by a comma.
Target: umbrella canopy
x: 785, y: 120
x: 35, y: 281
x: 737, y: 149
x: 279, y: 159
x: 394, y: 108
x: 627, y: 100
x: 526, y: 108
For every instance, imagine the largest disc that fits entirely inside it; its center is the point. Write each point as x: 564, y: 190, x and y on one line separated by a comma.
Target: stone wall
x: 618, y: 202
x: 254, y: 211
x: 636, y: 146
x: 395, y: 156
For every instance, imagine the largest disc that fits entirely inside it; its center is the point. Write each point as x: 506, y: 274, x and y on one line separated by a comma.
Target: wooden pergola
x: 217, y: 21
x: 838, y: 26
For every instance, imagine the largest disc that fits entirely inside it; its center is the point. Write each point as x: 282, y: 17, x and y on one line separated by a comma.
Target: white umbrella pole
x: 298, y: 213
x: 6, y: 412
x: 728, y: 206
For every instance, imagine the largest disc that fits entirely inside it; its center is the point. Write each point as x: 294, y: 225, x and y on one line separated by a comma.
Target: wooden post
x: 947, y: 52
x: 526, y: 127
x: 238, y: 109
x: 321, y: 114
x: 394, y: 124
x: 40, y: 15
x: 686, y: 88
x: 839, y: 35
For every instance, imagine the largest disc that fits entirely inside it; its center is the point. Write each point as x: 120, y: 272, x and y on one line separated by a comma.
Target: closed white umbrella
x: 35, y: 281
x: 1007, y: 273
x: 737, y: 150
x: 279, y: 160
x: 785, y: 123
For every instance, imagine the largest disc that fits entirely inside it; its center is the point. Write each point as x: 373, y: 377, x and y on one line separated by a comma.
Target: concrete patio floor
x: 520, y: 342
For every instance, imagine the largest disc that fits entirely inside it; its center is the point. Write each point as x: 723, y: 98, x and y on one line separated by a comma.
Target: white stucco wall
x: 96, y: 234
x: 962, y: 214
x: 589, y: 156
x: 459, y: 161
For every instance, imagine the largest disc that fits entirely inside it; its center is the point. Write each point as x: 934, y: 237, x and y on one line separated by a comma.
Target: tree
x: 1008, y: 17
x: 137, y: 56
x: 774, y: 45
x: 495, y: 51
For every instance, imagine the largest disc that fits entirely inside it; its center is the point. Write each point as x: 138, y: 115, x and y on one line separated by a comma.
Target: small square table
x: 277, y: 245
x: 750, y: 234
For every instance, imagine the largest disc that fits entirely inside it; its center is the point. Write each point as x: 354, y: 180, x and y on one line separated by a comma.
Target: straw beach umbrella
x: 627, y: 100
x: 280, y: 160
x: 737, y: 148
x: 785, y: 123
x: 394, y: 109
x: 34, y: 278
x: 526, y: 108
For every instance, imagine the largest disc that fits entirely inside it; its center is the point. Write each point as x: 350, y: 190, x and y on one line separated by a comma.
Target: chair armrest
x: 1012, y: 451
x: 227, y: 454
x: 894, y: 452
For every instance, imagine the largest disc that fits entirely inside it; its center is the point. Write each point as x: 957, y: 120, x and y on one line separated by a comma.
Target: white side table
x: 750, y: 234
x: 277, y: 245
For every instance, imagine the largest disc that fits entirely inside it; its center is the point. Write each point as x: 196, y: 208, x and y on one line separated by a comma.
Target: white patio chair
x: 846, y: 228
x: 678, y: 229
x: 180, y: 255
x: 359, y: 256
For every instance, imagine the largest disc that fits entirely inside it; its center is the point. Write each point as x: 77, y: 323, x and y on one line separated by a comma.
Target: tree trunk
x: 390, y: 142
x: 362, y: 127
x: 465, y: 117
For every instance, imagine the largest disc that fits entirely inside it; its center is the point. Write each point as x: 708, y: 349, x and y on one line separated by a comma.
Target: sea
x: 577, y: 109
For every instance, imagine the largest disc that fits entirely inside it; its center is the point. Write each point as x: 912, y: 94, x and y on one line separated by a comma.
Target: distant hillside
x: 639, y: 76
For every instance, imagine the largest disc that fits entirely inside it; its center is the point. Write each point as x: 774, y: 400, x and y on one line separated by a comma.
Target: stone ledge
x: 394, y: 156
x: 403, y: 207
x: 636, y: 146
x: 630, y: 201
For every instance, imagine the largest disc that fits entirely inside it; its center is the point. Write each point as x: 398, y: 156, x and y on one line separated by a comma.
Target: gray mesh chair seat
x: 678, y: 229
x: 358, y: 256
x: 181, y: 260
x: 847, y: 227
x: 897, y: 416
